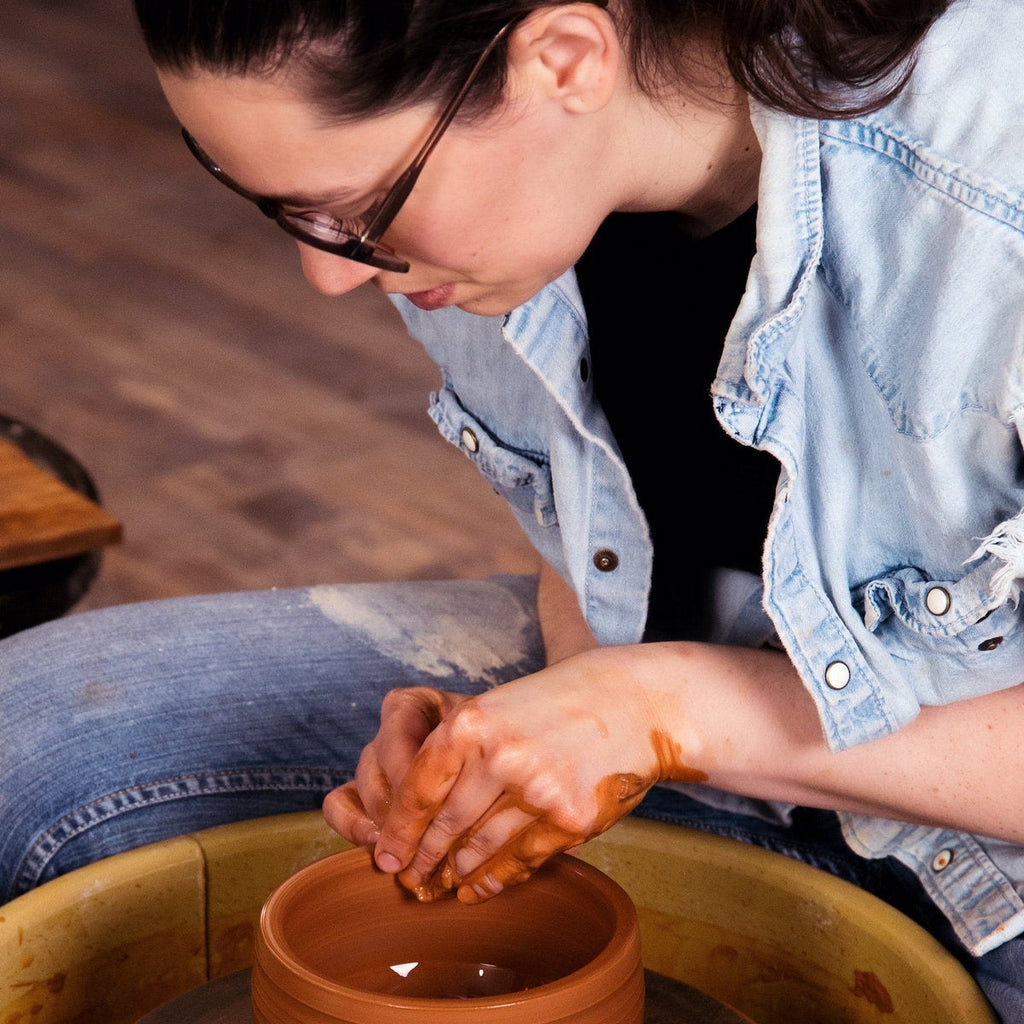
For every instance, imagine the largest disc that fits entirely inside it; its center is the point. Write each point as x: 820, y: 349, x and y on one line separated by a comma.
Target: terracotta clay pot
x: 342, y: 943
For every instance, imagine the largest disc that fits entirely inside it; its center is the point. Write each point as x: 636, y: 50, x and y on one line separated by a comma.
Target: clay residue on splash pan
x: 419, y: 626
x: 867, y: 985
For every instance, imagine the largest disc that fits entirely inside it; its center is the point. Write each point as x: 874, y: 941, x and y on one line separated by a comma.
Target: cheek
x: 491, y: 231
x: 461, y: 215
x: 453, y: 225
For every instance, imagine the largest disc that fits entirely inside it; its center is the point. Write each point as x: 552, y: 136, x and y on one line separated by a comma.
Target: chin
x: 498, y: 304
x: 485, y: 307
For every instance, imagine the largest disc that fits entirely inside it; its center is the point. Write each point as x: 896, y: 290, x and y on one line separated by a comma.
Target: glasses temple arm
x: 399, y: 192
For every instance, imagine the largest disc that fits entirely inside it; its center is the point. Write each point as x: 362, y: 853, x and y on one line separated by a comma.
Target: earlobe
x: 571, y: 53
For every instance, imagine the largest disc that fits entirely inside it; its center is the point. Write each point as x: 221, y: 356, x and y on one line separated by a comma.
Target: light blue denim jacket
x: 877, y: 353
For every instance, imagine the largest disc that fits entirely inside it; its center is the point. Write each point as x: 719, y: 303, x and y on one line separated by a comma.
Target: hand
x: 534, y: 767
x: 357, y: 809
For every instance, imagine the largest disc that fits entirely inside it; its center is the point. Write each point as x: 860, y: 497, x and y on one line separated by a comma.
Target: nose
x: 333, y: 275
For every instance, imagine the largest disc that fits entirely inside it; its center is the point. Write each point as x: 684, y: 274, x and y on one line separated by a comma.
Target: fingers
x: 407, y: 718
x: 515, y: 838
x: 344, y: 812
x: 490, y: 860
x: 515, y: 861
x: 481, y: 840
x: 506, y: 820
x: 468, y: 800
x: 447, y: 788
x: 496, y: 787
x: 449, y: 873
x: 482, y: 865
x: 414, y: 807
x: 373, y: 785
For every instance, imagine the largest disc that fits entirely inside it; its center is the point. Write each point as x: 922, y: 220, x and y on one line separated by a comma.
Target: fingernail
x: 483, y: 890
x: 388, y: 862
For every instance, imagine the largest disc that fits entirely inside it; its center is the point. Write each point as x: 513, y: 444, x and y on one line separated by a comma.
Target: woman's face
x: 502, y: 207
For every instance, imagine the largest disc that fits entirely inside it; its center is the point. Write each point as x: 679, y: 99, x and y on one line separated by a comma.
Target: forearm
x: 543, y: 763
x: 562, y: 624
x: 743, y: 718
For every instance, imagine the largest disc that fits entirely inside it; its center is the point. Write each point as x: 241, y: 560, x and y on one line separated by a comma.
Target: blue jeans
x: 128, y: 725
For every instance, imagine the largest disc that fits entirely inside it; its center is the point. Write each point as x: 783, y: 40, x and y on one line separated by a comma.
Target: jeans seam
x: 160, y: 791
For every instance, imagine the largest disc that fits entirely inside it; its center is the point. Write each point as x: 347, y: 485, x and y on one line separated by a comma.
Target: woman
x: 838, y: 198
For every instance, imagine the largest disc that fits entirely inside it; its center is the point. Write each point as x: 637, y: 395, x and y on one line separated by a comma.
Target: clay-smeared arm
x: 544, y: 763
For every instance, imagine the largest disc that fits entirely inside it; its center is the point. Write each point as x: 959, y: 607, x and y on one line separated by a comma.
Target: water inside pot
x: 444, y: 979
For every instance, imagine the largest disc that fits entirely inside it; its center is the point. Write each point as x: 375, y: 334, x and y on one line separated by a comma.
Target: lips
x: 433, y: 298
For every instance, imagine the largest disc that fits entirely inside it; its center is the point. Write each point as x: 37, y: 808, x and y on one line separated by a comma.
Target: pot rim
x: 610, y: 970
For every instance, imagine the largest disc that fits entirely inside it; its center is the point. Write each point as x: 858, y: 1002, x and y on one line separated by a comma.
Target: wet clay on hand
x: 614, y: 797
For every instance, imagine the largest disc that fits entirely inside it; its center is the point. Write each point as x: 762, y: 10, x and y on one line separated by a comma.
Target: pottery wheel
x: 226, y: 1001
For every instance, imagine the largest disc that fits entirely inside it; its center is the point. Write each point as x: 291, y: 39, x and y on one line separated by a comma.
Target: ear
x: 570, y: 53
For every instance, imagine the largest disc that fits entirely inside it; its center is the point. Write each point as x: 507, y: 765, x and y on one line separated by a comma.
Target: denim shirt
x: 877, y: 353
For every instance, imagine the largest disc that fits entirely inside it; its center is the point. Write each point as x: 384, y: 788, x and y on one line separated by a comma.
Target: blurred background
x: 247, y: 432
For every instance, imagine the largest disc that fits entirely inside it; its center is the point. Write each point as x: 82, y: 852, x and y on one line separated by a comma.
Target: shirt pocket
x: 521, y: 477
x: 909, y: 608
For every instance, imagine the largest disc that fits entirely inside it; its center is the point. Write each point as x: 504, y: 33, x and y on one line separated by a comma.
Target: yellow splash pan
x: 777, y: 940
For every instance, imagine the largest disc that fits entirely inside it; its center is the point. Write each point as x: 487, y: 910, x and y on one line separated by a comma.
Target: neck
x: 694, y: 153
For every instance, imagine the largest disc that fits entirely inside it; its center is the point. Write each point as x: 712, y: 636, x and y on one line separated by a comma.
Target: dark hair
x: 814, y: 58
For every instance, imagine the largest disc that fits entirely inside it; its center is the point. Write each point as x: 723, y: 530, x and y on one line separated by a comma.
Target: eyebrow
x: 336, y: 195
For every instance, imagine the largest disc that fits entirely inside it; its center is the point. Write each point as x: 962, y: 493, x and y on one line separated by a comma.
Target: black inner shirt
x: 659, y: 304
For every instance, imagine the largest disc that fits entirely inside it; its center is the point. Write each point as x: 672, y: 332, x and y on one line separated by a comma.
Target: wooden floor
x: 248, y: 432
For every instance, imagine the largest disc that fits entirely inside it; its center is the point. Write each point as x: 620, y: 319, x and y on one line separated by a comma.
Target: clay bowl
x: 342, y: 943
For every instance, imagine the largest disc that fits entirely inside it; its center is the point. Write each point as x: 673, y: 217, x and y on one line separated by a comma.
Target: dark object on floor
x: 32, y: 594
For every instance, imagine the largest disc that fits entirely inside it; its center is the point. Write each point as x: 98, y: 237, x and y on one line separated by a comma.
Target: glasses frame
x: 365, y: 247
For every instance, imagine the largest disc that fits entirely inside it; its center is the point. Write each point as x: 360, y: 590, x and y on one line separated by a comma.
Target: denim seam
x: 951, y: 180
x: 178, y: 787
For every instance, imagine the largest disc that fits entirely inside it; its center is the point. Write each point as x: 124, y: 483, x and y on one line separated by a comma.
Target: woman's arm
x: 755, y: 730
x: 544, y: 763
x: 562, y: 625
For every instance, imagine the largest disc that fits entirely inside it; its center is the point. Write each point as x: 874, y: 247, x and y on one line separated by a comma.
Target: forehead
x: 268, y: 137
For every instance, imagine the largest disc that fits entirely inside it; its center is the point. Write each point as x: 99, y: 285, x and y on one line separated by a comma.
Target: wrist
x: 652, y: 685
x: 734, y: 717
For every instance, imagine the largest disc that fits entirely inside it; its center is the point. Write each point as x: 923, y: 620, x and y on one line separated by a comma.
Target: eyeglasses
x: 356, y: 238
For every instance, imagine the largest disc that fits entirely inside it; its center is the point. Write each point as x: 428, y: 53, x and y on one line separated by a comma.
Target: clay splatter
x: 429, y: 635
x: 670, y: 762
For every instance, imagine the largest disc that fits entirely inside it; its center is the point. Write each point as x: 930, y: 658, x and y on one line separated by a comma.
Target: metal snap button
x: 942, y: 860
x: 469, y: 440
x: 837, y: 675
x: 606, y: 560
x: 938, y: 601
